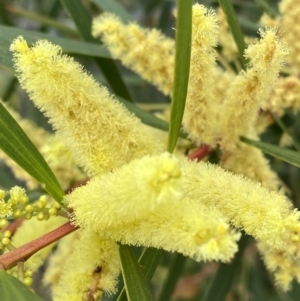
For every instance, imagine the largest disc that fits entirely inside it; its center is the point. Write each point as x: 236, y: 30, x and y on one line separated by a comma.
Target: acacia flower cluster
x: 145, y: 196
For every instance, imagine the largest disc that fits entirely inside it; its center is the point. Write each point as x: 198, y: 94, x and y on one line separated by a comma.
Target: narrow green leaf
x: 42, y: 19
x: 225, y: 276
x: 235, y: 28
x: 182, y: 69
x: 83, y: 22
x: 15, y: 143
x: 284, y: 128
x: 136, y: 285
x: 114, y: 7
x: 283, y: 154
x: 148, y: 262
x: 272, y: 11
x: 12, y: 289
x: 8, y: 34
x: 173, y: 274
x: 148, y: 118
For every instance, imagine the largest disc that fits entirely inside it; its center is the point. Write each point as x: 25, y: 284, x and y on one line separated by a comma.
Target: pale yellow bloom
x: 56, y: 154
x: 100, y: 132
x: 58, y: 259
x: 32, y: 229
x: 251, y: 162
x: 226, y: 41
x: 289, y: 22
x: 268, y: 216
x: 186, y: 227
x: 5, y: 209
x: 146, y: 51
x: 284, y: 263
x: 251, y: 88
x: 62, y: 162
x: 285, y: 94
x: 91, y: 269
x: 127, y: 194
x: 200, y: 112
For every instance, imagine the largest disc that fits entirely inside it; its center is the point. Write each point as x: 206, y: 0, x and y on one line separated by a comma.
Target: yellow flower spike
x: 266, y: 215
x: 100, y: 132
x: 184, y: 227
x: 18, y: 194
x: 146, y: 51
x: 126, y: 194
x: 284, y: 263
x: 200, y: 116
x: 5, y: 211
x: 288, y: 21
x: 2, y: 194
x: 251, y: 88
x: 62, y: 162
x: 21, y: 46
x: 285, y: 94
x: 96, y: 255
x: 241, y: 162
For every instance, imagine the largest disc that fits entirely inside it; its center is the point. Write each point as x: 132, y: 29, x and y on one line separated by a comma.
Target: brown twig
x: 200, y: 153
x: 11, y: 258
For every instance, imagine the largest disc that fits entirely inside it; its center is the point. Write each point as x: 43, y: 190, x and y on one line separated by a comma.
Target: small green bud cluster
x: 18, y: 202
x: 5, y: 239
x: 42, y: 209
x: 25, y: 276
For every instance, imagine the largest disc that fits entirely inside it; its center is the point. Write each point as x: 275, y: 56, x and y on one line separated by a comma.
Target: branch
x: 200, y: 153
x: 22, y: 253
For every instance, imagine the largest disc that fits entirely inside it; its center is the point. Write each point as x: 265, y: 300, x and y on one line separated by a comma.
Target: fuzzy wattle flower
x: 93, y: 124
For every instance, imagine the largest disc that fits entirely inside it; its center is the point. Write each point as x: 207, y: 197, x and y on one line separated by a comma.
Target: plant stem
x: 22, y: 253
x: 200, y: 153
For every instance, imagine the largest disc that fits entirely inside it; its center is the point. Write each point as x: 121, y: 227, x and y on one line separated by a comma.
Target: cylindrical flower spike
x: 92, y: 268
x: 286, y: 94
x: 202, y: 108
x: 147, y: 52
x: 101, y: 133
x: 140, y: 204
x: 289, y: 22
x: 284, y: 263
x: 127, y: 194
x: 241, y: 162
x: 268, y: 216
x: 62, y: 162
x: 251, y: 88
x: 189, y: 228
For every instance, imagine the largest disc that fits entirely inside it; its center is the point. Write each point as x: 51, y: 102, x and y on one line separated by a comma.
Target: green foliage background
x: 67, y: 23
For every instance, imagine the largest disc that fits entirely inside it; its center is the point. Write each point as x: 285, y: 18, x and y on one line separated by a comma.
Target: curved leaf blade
x: 8, y: 34
x: 135, y: 282
x: 283, y: 154
x: 13, y: 289
x: 148, y: 118
x: 148, y: 261
x: 182, y: 69
x: 83, y: 22
x: 15, y: 143
x: 114, y: 7
x: 235, y: 28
